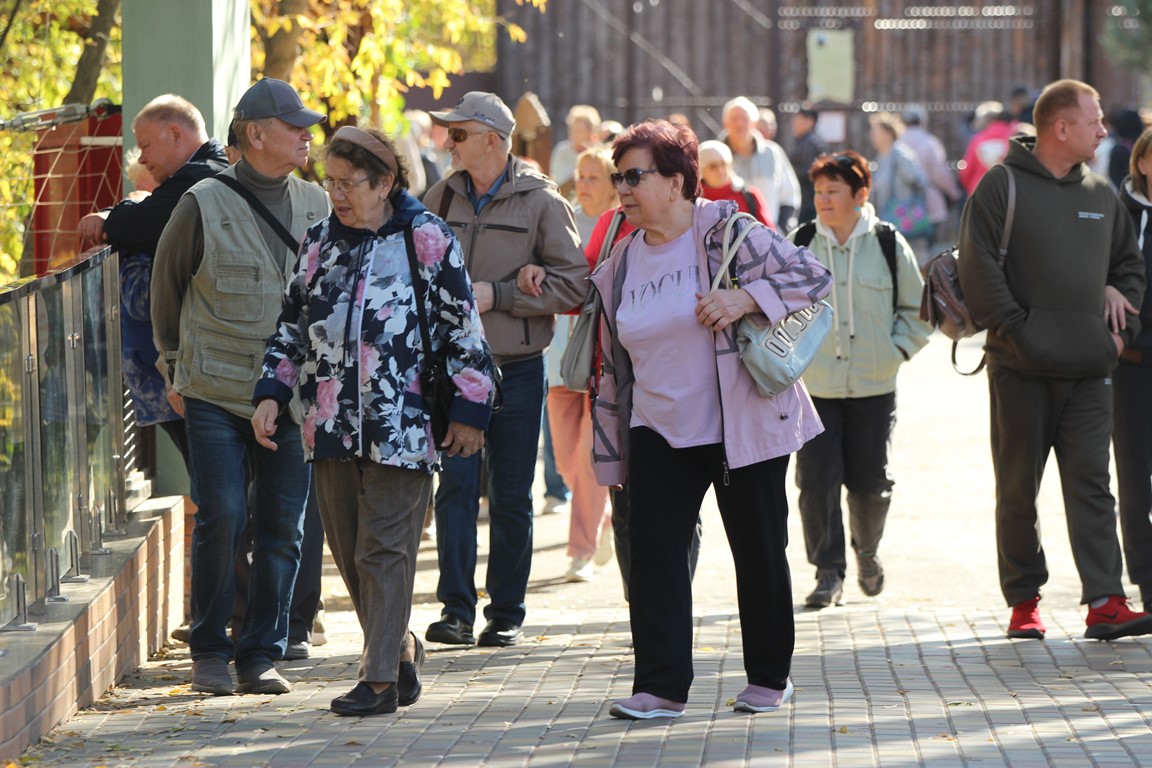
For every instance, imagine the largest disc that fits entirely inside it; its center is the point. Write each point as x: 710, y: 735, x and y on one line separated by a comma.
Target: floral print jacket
x: 349, y: 337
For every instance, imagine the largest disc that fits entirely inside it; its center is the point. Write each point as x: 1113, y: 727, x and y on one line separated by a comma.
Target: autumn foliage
x: 357, y: 58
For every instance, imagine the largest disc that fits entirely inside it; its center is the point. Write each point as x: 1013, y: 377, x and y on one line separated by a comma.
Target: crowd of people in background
x: 312, y: 403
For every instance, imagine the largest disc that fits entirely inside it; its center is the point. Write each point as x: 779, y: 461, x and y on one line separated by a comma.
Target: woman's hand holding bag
x: 775, y: 355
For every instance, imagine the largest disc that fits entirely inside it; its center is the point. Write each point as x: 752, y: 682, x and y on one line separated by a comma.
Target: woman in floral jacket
x: 348, y: 335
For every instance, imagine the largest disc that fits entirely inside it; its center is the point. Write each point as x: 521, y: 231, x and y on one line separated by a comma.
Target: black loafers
x: 362, y: 701
x: 408, y: 685
x: 499, y: 633
x: 450, y: 630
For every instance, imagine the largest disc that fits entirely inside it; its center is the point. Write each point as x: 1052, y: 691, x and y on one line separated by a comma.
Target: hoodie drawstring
x: 851, y: 244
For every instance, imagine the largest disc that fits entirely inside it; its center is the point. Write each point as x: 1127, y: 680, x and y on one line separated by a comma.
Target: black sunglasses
x: 849, y: 164
x: 459, y: 135
x: 631, y: 177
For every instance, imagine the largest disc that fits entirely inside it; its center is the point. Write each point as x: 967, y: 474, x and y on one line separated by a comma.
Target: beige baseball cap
x: 482, y: 107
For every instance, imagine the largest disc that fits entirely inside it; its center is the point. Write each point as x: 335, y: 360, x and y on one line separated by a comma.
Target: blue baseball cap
x: 275, y: 98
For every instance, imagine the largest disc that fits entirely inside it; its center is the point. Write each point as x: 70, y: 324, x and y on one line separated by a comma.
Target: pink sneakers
x: 757, y: 698
x: 1115, y: 619
x: 645, y: 706
x: 1025, y: 621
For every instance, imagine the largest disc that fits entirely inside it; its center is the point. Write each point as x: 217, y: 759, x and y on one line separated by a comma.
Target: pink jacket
x: 782, y: 279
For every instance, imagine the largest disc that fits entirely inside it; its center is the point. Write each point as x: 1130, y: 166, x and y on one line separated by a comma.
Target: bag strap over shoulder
x: 1002, y: 255
x: 731, y: 247
x: 750, y: 201
x: 886, y: 234
x: 610, y: 236
x: 259, y: 207
x: 1009, y: 216
x: 445, y: 202
x: 418, y: 290
x: 804, y: 234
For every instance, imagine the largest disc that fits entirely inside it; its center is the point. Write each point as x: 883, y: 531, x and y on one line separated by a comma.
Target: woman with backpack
x: 876, y: 297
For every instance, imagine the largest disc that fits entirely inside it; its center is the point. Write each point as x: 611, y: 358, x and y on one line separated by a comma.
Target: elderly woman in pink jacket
x: 677, y: 413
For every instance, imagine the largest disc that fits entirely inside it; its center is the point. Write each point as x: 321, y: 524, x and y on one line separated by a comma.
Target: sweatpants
x: 1032, y: 416
x: 667, y: 486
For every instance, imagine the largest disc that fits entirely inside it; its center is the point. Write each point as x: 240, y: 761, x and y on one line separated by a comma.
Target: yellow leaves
x: 516, y: 33
x: 437, y: 80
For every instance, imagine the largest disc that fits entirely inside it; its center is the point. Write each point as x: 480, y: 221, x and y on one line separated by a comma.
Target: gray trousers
x: 1032, y: 416
x: 373, y: 516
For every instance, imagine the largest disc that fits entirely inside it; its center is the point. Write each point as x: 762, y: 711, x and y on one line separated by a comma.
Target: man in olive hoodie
x: 506, y: 216
x: 1058, y: 315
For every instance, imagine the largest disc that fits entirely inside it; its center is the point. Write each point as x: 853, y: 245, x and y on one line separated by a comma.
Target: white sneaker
x: 579, y: 571
x: 607, y: 546
x: 553, y: 505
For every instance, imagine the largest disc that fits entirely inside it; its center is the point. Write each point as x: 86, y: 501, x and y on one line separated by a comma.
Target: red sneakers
x: 1115, y: 619
x: 1025, y: 621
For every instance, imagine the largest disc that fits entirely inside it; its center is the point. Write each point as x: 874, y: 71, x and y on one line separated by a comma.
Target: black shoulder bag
x: 438, y: 388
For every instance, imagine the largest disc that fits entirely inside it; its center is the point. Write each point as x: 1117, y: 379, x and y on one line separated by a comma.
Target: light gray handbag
x: 580, y: 354
x: 775, y: 355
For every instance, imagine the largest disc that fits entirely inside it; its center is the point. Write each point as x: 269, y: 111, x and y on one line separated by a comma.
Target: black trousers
x: 1132, y: 443
x: 667, y: 486
x: 852, y: 453
x: 620, y: 515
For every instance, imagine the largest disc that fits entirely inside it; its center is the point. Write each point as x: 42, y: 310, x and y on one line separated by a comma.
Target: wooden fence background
x: 634, y: 59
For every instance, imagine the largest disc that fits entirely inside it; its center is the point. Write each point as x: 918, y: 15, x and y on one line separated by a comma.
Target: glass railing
x: 62, y: 473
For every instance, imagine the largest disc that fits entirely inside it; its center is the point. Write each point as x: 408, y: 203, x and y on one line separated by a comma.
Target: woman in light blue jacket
x: 853, y: 378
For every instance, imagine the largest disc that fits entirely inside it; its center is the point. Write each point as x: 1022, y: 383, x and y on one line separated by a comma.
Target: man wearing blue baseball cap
x: 217, y: 287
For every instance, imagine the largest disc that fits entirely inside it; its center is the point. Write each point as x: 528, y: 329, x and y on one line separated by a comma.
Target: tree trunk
x: 282, y: 49
x: 8, y: 25
x: 91, y: 62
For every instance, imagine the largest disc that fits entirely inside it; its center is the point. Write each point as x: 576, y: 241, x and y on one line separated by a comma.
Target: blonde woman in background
x: 569, y: 412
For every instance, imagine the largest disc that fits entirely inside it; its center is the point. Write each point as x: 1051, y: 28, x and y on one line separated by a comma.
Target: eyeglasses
x: 459, y: 135
x: 632, y: 176
x: 344, y: 185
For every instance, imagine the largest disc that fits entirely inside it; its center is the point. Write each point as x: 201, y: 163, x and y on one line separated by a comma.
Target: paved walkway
x: 921, y: 675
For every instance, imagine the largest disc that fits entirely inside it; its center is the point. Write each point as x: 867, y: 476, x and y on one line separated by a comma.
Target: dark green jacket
x: 1071, y: 237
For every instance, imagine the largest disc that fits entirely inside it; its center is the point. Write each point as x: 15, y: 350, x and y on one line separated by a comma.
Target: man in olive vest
x: 217, y: 287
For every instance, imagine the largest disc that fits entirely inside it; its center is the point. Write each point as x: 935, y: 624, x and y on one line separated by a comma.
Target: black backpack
x: 885, y: 233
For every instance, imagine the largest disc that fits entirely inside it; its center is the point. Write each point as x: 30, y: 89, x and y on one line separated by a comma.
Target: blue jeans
x: 219, y: 443
x: 553, y: 482
x: 511, y: 445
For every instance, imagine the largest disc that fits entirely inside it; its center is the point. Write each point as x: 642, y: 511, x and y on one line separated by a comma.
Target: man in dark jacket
x: 175, y: 148
x: 1058, y: 312
x: 809, y: 146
